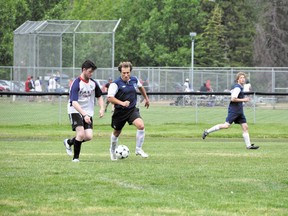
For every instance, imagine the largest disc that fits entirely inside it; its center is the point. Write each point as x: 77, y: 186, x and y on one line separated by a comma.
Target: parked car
x: 5, y: 85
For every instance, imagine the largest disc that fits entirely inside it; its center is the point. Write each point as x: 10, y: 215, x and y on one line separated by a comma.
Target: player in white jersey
x: 83, y: 92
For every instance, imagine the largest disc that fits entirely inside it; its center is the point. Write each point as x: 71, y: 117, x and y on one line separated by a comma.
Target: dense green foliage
x: 156, y: 33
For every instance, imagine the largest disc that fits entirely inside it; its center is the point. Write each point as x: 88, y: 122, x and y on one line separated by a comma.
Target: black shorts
x: 237, y: 118
x: 121, y: 116
x: 77, y: 119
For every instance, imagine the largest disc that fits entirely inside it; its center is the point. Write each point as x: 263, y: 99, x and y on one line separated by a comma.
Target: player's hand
x: 87, y: 119
x: 126, y: 103
x: 101, y: 113
x: 246, y: 99
x: 147, y: 103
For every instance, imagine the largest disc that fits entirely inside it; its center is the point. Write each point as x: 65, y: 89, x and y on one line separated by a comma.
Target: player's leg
x: 114, y: 143
x: 117, y: 123
x: 80, y: 136
x: 217, y: 127
x: 246, y: 137
x: 140, y: 136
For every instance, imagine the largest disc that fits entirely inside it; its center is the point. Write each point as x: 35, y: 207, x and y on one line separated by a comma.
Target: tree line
x: 230, y: 33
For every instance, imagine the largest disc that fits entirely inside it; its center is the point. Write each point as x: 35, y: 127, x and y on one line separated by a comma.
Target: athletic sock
x: 246, y: 139
x: 71, y: 141
x: 114, y: 142
x: 77, y: 148
x: 140, y: 135
x: 213, y: 129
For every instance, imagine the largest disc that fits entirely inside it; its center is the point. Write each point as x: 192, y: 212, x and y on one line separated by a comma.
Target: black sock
x: 71, y: 141
x: 77, y: 148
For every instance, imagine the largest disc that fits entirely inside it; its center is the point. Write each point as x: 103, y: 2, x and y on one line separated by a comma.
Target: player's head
x: 240, y: 77
x: 126, y: 64
x: 186, y: 80
x: 89, y: 64
x: 125, y: 69
x: 88, y: 68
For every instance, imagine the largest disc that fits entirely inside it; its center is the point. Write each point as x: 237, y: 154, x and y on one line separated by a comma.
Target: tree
x: 271, y: 41
x: 211, y: 47
x: 11, y: 16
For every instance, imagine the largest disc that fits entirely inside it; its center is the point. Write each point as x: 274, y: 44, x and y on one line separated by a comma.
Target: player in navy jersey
x: 83, y: 92
x: 122, y: 93
x: 235, y: 112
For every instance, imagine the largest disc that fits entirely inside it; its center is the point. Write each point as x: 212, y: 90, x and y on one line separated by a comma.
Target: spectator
x: 52, y: 86
x: 187, y: 86
x: 38, y: 87
x: 27, y: 84
x: 203, y: 88
x: 247, y: 86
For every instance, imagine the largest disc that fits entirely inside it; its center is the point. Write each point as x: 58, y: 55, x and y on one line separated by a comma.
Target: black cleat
x: 252, y: 147
x: 205, y: 133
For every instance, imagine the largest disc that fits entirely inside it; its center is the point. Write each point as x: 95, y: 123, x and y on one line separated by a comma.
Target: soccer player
x: 122, y: 93
x: 235, y: 112
x: 81, y: 108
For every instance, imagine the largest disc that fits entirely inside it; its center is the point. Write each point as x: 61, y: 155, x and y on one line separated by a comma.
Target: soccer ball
x: 122, y: 152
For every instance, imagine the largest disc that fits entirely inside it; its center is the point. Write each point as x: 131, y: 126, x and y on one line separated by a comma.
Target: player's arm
x: 234, y: 96
x: 112, y: 90
x: 101, y: 104
x: 144, y: 94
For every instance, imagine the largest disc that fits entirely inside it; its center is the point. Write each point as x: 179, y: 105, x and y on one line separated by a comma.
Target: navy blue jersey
x: 127, y: 91
x: 237, y: 107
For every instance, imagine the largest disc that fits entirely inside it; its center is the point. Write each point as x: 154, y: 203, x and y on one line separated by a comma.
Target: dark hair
x: 125, y: 65
x: 89, y: 64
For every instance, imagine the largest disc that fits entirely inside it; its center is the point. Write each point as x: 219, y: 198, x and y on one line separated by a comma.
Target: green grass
x: 184, y: 175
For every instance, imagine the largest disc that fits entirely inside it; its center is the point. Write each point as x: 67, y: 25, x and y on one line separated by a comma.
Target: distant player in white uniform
x: 83, y: 92
x: 235, y: 112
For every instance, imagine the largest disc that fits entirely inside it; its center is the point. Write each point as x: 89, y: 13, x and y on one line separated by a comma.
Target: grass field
x: 182, y: 176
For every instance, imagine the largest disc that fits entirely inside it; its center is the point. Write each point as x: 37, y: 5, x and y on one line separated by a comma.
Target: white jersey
x: 38, y: 87
x: 84, y: 93
x: 52, y: 84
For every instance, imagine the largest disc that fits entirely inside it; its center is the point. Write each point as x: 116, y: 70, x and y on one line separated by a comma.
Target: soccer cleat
x: 205, y: 133
x: 252, y: 147
x: 140, y: 152
x: 67, y: 147
x: 76, y: 160
x: 113, y: 155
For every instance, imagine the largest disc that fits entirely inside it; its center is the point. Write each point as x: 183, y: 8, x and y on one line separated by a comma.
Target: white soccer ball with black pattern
x: 122, y: 152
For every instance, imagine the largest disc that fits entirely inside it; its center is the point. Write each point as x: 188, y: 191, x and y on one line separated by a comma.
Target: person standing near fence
x: 52, y: 85
x: 38, y: 87
x: 83, y: 92
x: 122, y: 93
x: 235, y: 112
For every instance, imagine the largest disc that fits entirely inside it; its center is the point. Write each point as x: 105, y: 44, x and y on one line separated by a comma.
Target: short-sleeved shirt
x: 236, y: 107
x: 84, y: 92
x: 125, y: 91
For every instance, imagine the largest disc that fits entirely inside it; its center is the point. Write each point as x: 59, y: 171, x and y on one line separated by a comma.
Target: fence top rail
x: 148, y: 93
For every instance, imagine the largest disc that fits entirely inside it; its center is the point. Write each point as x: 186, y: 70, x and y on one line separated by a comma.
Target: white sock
x: 113, y: 142
x: 213, y: 129
x: 140, y: 135
x: 246, y: 139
